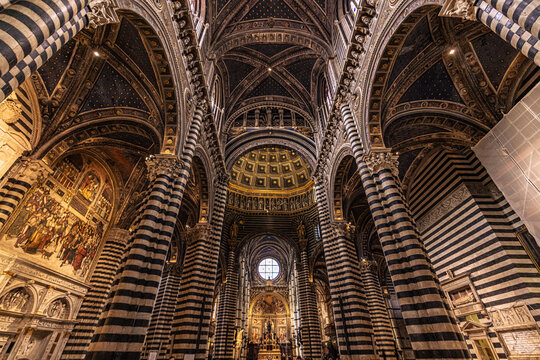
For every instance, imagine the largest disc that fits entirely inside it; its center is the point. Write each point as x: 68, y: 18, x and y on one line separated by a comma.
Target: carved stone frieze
x: 168, y: 165
x: 381, y: 160
x: 445, y: 206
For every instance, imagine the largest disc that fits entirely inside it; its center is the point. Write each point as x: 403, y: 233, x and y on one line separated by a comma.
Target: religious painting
x: 89, y: 186
x: 53, y: 230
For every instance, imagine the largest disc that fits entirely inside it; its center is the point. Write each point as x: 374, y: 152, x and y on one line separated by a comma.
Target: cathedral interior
x: 269, y: 179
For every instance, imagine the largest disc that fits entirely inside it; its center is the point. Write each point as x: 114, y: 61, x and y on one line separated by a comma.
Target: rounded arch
x: 338, y: 165
x: 276, y: 294
x: 173, y: 77
x: 30, y: 306
x: 285, y: 138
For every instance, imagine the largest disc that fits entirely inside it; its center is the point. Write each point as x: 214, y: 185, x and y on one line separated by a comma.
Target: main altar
x: 269, y: 348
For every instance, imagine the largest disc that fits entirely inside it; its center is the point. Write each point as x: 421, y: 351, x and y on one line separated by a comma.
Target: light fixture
x: 269, y: 69
x: 452, y: 51
x: 96, y: 53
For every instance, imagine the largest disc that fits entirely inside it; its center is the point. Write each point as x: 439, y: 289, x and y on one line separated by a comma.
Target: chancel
x: 269, y: 179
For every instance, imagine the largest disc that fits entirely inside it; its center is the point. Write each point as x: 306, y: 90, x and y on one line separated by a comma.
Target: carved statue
x: 234, y: 231
x: 103, y: 13
x: 463, y: 9
x: 301, y: 229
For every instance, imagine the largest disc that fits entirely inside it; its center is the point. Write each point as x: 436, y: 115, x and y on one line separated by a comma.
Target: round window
x: 269, y: 269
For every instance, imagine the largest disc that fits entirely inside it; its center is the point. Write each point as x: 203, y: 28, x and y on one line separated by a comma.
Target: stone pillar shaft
x: 124, y: 322
x: 158, y: 338
x: 311, y: 328
x: 94, y: 301
x: 226, y: 317
x: 353, y: 323
x: 382, y: 328
x: 194, y: 308
x: 432, y: 330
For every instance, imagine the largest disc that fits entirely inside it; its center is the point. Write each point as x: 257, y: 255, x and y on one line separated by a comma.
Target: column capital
x: 342, y: 228
x: 163, y: 164
x: 199, y: 231
x: 367, y: 265
x: 30, y: 170
x: 463, y: 9
x: 118, y: 235
x: 102, y: 12
x: 222, y: 179
x: 377, y: 160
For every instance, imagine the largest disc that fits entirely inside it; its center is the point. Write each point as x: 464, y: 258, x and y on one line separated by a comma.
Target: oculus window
x: 269, y: 269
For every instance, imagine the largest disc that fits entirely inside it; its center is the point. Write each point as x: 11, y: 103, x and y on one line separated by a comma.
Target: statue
x: 301, y: 229
x: 463, y: 9
x: 234, y: 231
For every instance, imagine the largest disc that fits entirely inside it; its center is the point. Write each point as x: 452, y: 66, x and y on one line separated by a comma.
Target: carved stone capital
x: 463, y: 9
x: 30, y: 170
x: 222, y: 180
x: 381, y: 160
x: 102, y: 12
x: 10, y: 109
x: 367, y: 265
x: 342, y: 228
x: 161, y: 164
x: 199, y: 231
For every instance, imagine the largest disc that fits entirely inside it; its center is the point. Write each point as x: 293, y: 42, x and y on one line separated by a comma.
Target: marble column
x: 307, y: 299
x: 158, y: 339
x: 226, y: 317
x: 433, y: 330
x: 382, y: 328
x: 94, y: 301
x: 353, y: 323
x: 194, y: 308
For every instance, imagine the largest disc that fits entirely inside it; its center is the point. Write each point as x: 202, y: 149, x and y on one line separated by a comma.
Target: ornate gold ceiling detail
x: 270, y: 170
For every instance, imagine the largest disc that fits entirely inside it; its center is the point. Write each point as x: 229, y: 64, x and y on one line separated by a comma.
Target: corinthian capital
x: 463, y: 9
x: 199, y: 231
x: 102, y: 12
x: 168, y: 165
x: 367, y: 265
x: 381, y: 160
x: 342, y: 228
x: 30, y: 170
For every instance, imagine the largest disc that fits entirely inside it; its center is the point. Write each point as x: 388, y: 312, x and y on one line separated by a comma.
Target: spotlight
x: 269, y: 69
x: 96, y: 53
x: 452, y: 51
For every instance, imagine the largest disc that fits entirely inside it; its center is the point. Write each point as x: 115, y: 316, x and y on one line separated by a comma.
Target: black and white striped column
x: 226, y: 317
x: 23, y: 175
x: 94, y: 301
x: 124, y: 322
x: 433, y: 331
x: 158, y: 339
x: 194, y: 307
x: 18, y: 73
x: 309, y: 319
x: 351, y: 315
x: 382, y: 328
x: 27, y: 24
x: 525, y: 13
x: 514, y: 34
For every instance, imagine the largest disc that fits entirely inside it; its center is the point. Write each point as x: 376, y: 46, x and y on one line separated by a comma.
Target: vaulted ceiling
x: 270, y: 50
